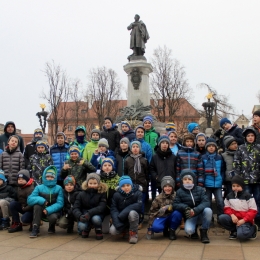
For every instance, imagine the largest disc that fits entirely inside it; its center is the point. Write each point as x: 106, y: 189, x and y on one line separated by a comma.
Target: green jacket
x: 151, y: 137
x: 90, y: 149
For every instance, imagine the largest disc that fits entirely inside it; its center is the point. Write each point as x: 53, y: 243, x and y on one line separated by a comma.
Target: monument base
x: 209, y: 132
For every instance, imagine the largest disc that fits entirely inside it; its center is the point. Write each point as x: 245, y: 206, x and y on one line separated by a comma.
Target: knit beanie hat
x: 125, y: 180
x: 136, y: 142
x: 211, y: 141
x: 61, y: 133
x: 2, y: 175
x: 69, y: 179
x: 107, y: 160
x: 224, y: 121
x: 126, y: 123
x: 25, y: 174
x: 139, y: 126
x: 103, y: 142
x: 188, y: 137
x: 51, y: 171
x: 126, y: 140
x: 74, y: 148
x: 148, y: 118
x: 238, y: 180
x: 167, y: 180
x: 200, y: 134
x: 163, y: 138
x: 95, y: 130
x: 38, y: 131
x: 228, y: 140
x: 256, y: 113
x: 188, y: 174
x: 108, y: 118
x: 170, y: 126
x: 93, y: 176
x: 191, y: 126
x: 42, y: 143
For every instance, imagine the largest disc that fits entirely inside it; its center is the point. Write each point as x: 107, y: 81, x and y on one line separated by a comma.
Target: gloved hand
x: 187, y: 213
x: 82, y: 218
x: 163, y: 209
x: 87, y: 216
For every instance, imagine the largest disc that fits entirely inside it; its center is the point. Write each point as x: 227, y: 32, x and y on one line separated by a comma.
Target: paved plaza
x: 64, y: 246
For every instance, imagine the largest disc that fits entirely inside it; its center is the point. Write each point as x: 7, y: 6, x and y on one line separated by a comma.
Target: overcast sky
x: 218, y: 42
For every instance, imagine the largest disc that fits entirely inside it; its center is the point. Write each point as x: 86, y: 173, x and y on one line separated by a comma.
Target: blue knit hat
x: 148, y: 118
x: 126, y: 123
x: 2, y: 175
x: 224, y: 121
x: 125, y: 180
x: 191, y: 126
x: 136, y: 142
x: 38, y: 131
x: 107, y: 160
x: 69, y: 179
x: 163, y: 138
x: 42, y: 143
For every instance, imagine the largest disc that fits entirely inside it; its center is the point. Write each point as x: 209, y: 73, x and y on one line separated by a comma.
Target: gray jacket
x: 228, y: 158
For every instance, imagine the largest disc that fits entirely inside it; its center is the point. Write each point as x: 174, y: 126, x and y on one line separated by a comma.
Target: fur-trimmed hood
x: 101, y: 188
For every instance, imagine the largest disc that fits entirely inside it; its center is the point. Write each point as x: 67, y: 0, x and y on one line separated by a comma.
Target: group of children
x: 103, y: 184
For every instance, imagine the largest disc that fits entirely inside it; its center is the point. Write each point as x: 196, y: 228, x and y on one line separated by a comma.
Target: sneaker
x: 31, y: 227
x: 15, y: 227
x: 84, y: 234
x: 51, y: 229
x: 149, y: 234
x: 35, y: 231
x: 233, y: 235
x: 69, y: 230
x: 133, y: 237
x: 5, y: 223
x: 254, y: 236
x: 99, y: 234
x: 166, y: 232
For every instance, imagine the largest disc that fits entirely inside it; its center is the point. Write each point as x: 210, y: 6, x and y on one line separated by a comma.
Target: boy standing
x: 121, y: 155
x: 92, y: 145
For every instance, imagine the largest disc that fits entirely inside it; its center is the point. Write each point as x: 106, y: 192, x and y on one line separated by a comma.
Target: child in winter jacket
x: 213, y: 174
x: 188, y: 158
x: 193, y: 203
x: 247, y: 165
x: 200, y: 142
x: 47, y: 201
x: 127, y: 131
x: 174, y: 145
x: 7, y: 195
x: 161, y: 216
x: 70, y: 192
x: 12, y: 160
x: 76, y: 166
x: 90, y: 205
x: 121, y: 155
x: 125, y: 209
x: 39, y: 161
x: 239, y: 212
x: 101, y: 153
x: 25, y: 188
x: 92, y: 145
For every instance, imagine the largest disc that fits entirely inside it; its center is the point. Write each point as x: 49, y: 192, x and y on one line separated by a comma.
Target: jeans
x: 96, y: 221
x: 254, y: 189
x: 244, y: 231
x: 37, y: 215
x: 204, y: 218
x: 218, y: 197
x: 16, y: 208
x: 172, y: 221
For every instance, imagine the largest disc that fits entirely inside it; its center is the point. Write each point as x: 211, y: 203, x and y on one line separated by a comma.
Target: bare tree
x: 77, y: 104
x: 169, y: 85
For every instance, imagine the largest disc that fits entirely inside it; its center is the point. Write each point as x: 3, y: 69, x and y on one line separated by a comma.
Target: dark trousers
x: 37, y: 215
x: 254, y: 189
x: 16, y: 208
x: 218, y: 197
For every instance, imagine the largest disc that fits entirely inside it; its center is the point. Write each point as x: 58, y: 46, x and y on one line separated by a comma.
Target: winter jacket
x: 113, y: 137
x: 242, y: 205
x: 130, y: 134
x: 201, y: 150
x: 146, y: 149
x: 69, y: 199
x: 257, y: 130
x: 91, y: 201
x: 163, y: 164
x: 7, y: 192
x: 96, y: 159
x: 247, y: 162
x: 213, y: 177
x: 151, y: 137
x: 122, y: 204
x: 188, y: 158
x: 228, y: 159
x: 11, y: 162
x: 236, y: 132
x: 23, y: 192
x: 195, y: 199
x: 90, y: 149
x: 29, y: 151
x: 38, y: 163
x: 49, y: 192
x: 58, y: 154
x: 160, y: 201
x: 79, y: 169
x: 5, y: 136
x: 138, y: 178
x: 120, y: 161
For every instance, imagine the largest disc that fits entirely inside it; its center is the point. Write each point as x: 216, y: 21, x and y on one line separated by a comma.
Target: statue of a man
x: 139, y: 36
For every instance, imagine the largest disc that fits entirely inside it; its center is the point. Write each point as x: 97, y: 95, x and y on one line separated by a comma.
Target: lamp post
x: 43, y: 114
x: 209, y: 107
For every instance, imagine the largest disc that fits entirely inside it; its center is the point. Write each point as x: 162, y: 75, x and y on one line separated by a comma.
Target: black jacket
x: 236, y: 132
x: 7, y: 192
x: 69, y: 199
x: 120, y: 159
x: 113, y: 137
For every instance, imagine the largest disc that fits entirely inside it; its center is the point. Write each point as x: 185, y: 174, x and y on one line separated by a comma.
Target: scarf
x: 137, y: 166
x: 80, y: 139
x: 188, y: 186
x: 163, y: 154
x: 210, y: 166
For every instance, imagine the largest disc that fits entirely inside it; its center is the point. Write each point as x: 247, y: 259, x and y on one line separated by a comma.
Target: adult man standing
x: 256, y: 125
x: 9, y: 130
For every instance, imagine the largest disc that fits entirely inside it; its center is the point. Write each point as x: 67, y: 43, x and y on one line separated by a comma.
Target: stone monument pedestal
x: 209, y: 132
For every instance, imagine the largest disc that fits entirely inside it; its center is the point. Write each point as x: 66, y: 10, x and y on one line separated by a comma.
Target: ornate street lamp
x: 209, y: 107
x: 43, y: 114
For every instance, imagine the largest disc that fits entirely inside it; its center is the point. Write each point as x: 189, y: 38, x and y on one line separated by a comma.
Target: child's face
x: 135, y: 149
x: 80, y: 133
x: 250, y: 138
x: 60, y: 140
x: 93, y: 184
x: 1, y: 182
x: 164, y: 146
x: 173, y: 138
x: 256, y: 119
x: 95, y: 136
x: 107, y: 167
x: 21, y: 181
x: 124, y: 128
x: 126, y: 188
x: 102, y: 148
x: 226, y: 126
x: 201, y: 141
x: 139, y: 133
x: 167, y: 189
x: 49, y: 178
x: 195, y: 130
x: 69, y: 187
x: 108, y: 124
x: 211, y: 148
x: 13, y: 143
x: 189, y: 143
x: 147, y: 125
x: 74, y: 156
x: 186, y: 180
x: 124, y: 146
x: 233, y: 146
x: 40, y: 149
x: 236, y: 187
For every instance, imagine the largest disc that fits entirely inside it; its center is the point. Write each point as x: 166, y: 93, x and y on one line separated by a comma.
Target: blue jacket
x: 58, y: 154
x: 130, y: 134
x: 49, y: 192
x: 147, y: 149
x: 95, y: 160
x: 212, y: 180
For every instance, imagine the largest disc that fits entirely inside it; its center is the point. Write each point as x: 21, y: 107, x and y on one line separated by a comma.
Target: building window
x: 70, y: 128
x: 83, y: 111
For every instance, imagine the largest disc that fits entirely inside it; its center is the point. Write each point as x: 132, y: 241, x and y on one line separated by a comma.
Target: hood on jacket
x: 10, y: 123
x: 80, y: 127
x: 249, y: 129
x: 101, y: 188
x: 49, y: 182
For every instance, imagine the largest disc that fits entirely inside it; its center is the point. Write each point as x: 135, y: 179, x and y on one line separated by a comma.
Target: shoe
x: 172, y: 235
x: 84, y: 234
x: 69, y: 230
x: 99, y: 234
x: 233, y: 235
x: 5, y: 223
x: 51, y: 229
x: 254, y: 236
x: 166, y: 232
x: 195, y: 235
x: 133, y: 237
x: 149, y: 234
x: 31, y: 227
x: 35, y: 231
x: 15, y: 227
x: 204, y: 236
